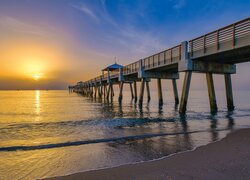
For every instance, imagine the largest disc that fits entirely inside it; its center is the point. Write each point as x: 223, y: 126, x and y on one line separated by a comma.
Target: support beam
x: 148, y: 91
x: 185, y: 92
x: 120, y: 94
x: 131, y: 90
x: 142, y: 91
x: 176, y: 97
x: 229, y: 92
x: 135, y: 91
x: 159, y: 91
x: 211, y: 93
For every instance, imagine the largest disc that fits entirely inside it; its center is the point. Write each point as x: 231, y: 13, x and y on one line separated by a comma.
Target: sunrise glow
x: 37, y: 77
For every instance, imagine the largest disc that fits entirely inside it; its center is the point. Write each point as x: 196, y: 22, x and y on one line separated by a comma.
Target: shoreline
x: 228, y: 158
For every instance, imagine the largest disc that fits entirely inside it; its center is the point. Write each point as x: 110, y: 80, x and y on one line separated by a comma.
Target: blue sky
x: 91, y: 33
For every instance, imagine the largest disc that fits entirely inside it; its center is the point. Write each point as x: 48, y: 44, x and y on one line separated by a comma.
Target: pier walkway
x: 217, y: 52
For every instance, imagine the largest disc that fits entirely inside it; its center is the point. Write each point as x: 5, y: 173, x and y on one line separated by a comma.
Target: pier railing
x: 219, y: 40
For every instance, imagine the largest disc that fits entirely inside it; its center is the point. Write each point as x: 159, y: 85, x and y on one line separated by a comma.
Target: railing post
x: 165, y: 61
x: 180, y: 52
x: 191, y: 48
x: 233, y: 35
x: 204, y: 44
x: 171, y: 55
x: 141, y: 70
x: 217, y: 40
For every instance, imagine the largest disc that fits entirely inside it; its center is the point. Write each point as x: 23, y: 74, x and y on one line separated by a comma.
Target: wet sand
x: 225, y: 159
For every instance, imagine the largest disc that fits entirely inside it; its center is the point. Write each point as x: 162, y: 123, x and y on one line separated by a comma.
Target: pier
x: 217, y: 52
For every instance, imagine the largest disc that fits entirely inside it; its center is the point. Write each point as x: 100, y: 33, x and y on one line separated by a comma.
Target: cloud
x: 87, y: 11
x: 16, y: 25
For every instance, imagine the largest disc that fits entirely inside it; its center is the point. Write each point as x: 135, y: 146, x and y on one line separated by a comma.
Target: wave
x: 95, y: 141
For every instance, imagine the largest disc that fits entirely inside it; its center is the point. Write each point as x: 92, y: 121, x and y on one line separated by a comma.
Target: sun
x: 36, y: 77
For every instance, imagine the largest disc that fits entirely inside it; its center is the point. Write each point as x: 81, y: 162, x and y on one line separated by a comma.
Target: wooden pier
x: 217, y: 52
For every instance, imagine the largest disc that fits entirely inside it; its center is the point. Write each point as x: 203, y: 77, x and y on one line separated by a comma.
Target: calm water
x: 51, y: 133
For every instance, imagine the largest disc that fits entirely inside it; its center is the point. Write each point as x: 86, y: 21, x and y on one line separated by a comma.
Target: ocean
x: 54, y: 133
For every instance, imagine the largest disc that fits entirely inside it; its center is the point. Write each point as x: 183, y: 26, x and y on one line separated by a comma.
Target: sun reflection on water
x: 37, y: 105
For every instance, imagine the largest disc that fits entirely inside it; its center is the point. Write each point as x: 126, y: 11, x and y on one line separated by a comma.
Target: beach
x: 228, y: 158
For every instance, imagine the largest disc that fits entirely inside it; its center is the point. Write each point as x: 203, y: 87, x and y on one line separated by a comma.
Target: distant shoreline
x: 228, y: 158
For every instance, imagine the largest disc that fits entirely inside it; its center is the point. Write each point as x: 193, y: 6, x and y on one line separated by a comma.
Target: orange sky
x: 35, y: 57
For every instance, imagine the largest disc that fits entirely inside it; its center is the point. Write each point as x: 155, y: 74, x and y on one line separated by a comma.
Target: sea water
x: 54, y: 133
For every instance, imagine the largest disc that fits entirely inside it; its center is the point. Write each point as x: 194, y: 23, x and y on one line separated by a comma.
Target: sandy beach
x: 225, y: 159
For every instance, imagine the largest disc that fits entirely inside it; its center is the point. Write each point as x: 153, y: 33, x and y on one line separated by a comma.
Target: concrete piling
x: 229, y: 92
x: 159, y: 91
x: 108, y: 92
x: 131, y: 90
x: 176, y: 97
x: 142, y: 91
x: 211, y: 93
x: 185, y: 91
x: 120, y: 94
x: 148, y: 91
x: 135, y: 91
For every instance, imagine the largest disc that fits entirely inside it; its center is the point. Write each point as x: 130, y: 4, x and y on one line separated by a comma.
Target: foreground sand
x: 226, y: 159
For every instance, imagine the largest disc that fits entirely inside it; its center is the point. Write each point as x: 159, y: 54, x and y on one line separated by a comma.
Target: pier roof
x: 113, y: 67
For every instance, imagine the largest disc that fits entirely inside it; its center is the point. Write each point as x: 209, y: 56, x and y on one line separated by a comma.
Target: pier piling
x: 142, y: 91
x: 131, y: 90
x: 185, y: 91
x: 211, y: 93
x: 135, y: 91
x: 120, y: 94
x: 229, y: 92
x: 176, y: 97
x: 159, y: 91
x: 148, y: 91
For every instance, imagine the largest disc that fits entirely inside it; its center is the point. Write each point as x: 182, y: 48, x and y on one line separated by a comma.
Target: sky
x: 49, y: 44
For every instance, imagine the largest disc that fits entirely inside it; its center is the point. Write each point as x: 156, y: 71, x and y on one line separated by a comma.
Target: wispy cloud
x: 87, y: 11
x: 17, y: 25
